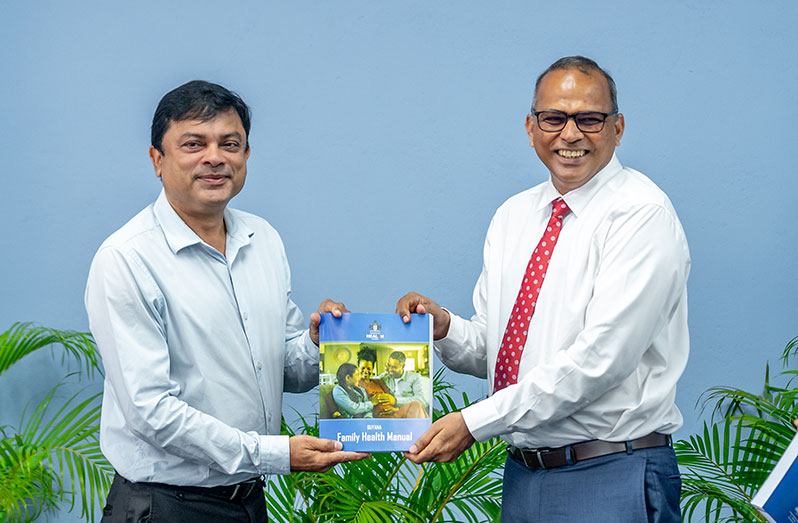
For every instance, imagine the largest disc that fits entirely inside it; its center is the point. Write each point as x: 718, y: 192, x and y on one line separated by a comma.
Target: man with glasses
x: 406, y: 387
x: 580, y: 324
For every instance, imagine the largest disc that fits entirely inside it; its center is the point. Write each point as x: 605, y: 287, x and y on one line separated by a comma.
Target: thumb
x: 328, y: 445
x: 422, y: 442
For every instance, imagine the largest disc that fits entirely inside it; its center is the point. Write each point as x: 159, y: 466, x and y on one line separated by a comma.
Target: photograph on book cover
x: 375, y: 380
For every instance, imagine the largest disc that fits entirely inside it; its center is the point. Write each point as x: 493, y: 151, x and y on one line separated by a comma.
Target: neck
x: 209, y: 227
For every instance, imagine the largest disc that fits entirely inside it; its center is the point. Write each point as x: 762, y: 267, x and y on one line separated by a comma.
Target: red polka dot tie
x: 518, y: 325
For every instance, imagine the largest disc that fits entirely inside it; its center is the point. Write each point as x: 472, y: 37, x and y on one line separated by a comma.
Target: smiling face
x: 574, y: 157
x: 395, y: 368
x: 203, y: 164
x: 366, y: 369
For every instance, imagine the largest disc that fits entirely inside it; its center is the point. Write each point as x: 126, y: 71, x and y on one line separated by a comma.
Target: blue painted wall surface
x: 373, y: 117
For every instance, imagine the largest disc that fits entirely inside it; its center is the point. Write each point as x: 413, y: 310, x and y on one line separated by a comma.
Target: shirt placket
x: 243, y: 308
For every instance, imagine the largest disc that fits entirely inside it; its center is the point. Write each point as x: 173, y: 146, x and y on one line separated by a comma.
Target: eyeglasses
x: 586, y: 121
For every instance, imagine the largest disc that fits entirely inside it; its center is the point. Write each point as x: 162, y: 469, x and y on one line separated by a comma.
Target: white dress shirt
x: 608, y: 340
x: 197, y: 349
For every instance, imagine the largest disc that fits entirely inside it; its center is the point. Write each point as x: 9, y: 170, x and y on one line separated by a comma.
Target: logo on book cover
x: 375, y: 331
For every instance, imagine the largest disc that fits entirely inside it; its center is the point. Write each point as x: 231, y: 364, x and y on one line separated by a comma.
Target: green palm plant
x: 52, y: 458
x: 387, y: 487
x: 724, y: 467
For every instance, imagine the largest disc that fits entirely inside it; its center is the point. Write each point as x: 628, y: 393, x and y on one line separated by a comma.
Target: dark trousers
x: 130, y: 502
x: 642, y: 487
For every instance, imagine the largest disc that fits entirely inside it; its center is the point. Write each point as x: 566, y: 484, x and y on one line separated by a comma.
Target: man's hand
x: 387, y: 411
x: 414, y: 302
x: 445, y: 440
x: 311, y: 454
x: 337, y: 309
x: 383, y: 399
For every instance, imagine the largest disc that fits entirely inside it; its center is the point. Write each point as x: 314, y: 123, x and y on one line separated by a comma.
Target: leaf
x: 24, y: 338
x: 52, y: 458
x: 387, y: 487
x: 723, y: 467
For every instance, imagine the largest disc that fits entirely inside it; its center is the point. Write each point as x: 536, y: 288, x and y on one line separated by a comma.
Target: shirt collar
x: 238, y: 234
x: 578, y: 199
x: 179, y: 235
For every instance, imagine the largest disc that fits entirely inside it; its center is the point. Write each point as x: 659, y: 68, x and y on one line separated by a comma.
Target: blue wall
x: 386, y: 134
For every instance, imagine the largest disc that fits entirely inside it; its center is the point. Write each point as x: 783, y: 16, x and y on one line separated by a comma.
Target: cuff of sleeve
x: 310, y: 347
x: 275, y: 455
x: 483, y: 420
x: 456, y: 335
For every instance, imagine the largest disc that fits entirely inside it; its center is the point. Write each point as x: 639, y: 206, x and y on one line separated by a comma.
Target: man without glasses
x: 580, y: 324
x: 190, y: 306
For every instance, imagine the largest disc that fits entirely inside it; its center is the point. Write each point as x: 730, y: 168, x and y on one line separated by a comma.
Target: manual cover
x: 375, y: 380
x: 777, y: 499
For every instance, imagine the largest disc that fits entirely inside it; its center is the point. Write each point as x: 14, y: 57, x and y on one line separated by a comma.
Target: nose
x: 571, y: 132
x: 213, y: 155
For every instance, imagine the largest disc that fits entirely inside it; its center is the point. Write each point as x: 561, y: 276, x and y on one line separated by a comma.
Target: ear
x: 619, y: 127
x: 246, y: 153
x: 530, y: 126
x: 157, y: 159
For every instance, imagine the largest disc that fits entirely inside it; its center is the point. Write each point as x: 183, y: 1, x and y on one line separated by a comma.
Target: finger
x: 344, y: 457
x: 432, y: 451
x: 336, y: 308
x: 421, y: 443
x: 326, y: 445
x: 332, y: 459
x: 407, y: 305
x: 412, y: 457
x: 315, y: 319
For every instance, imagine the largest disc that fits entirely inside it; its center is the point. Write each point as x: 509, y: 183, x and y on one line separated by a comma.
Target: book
x: 777, y: 498
x: 375, y: 380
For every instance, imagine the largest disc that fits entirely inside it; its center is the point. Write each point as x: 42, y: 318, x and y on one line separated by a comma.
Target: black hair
x: 583, y: 65
x: 367, y: 354
x: 196, y: 100
x: 345, y: 370
x: 401, y: 357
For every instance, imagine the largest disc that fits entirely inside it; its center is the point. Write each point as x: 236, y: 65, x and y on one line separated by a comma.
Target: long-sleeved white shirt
x: 197, y: 349
x: 608, y: 340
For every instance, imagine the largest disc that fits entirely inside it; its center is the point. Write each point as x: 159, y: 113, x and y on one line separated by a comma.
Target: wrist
x: 442, y: 329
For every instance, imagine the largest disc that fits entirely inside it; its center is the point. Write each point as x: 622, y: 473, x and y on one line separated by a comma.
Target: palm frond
x: 789, y: 351
x: 24, y: 338
x: 387, y: 487
x: 747, y: 434
x: 60, y: 456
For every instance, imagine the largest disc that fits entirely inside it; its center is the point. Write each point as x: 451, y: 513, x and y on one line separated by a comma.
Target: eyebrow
x: 234, y: 134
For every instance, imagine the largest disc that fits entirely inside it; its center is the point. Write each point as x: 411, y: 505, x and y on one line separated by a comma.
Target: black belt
x: 550, y: 458
x: 235, y: 492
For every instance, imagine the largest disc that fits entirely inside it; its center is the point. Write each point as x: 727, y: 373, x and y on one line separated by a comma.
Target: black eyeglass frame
x: 569, y: 116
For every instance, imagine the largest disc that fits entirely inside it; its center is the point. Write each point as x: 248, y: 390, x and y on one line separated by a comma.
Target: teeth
x: 571, y: 154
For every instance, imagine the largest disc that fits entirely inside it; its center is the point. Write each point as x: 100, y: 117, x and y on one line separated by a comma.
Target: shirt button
x: 260, y: 366
x: 246, y: 316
